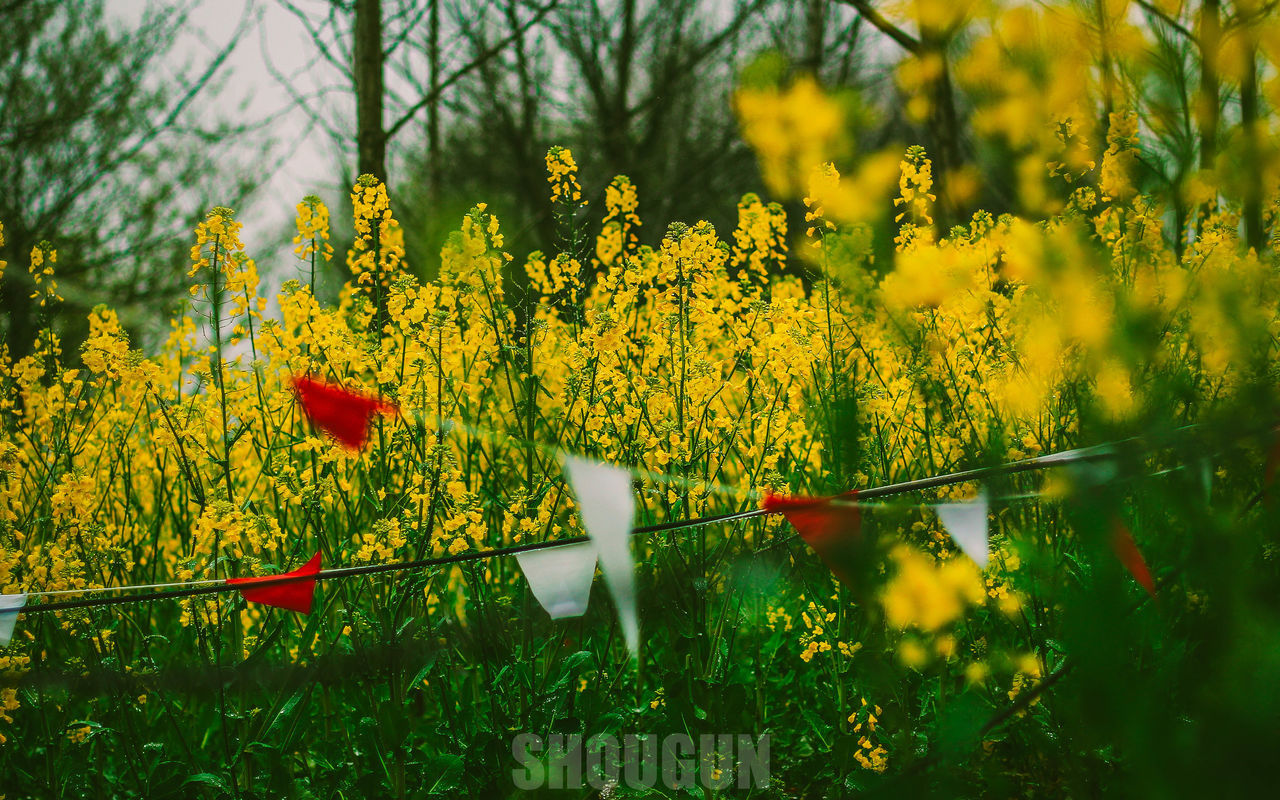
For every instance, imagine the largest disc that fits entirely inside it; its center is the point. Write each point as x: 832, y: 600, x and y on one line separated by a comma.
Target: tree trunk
x: 1208, y: 98
x: 617, y: 128
x: 1253, y: 233
x: 815, y: 19
x: 1104, y: 61
x: 945, y: 130
x: 434, y: 170
x: 1208, y: 101
x: 371, y: 136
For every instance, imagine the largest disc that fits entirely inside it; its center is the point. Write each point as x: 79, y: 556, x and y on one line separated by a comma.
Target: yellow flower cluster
x: 915, y: 198
x: 217, y: 237
x: 821, y: 628
x: 759, y: 241
x: 618, y: 231
x: 927, y: 596
x: 312, y: 238
x: 1028, y: 672
x: 562, y: 174
x: 43, y: 257
x: 376, y: 257
x: 792, y: 130
x: 870, y: 754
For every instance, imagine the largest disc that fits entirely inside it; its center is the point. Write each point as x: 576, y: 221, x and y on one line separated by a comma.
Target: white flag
x: 1088, y: 466
x: 9, y: 606
x: 608, y: 508
x: 560, y: 577
x: 1072, y: 456
x: 967, y: 524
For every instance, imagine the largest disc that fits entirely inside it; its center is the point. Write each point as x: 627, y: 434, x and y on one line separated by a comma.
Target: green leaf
x: 209, y: 779
x: 421, y: 675
x: 286, y: 710
x: 443, y: 774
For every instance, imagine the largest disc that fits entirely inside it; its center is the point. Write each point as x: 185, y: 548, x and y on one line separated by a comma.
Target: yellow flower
x: 792, y: 131
x: 43, y: 257
x: 78, y: 734
x: 562, y: 174
x: 926, y: 596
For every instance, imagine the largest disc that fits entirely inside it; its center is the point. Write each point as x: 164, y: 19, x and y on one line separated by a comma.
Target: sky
x: 294, y: 157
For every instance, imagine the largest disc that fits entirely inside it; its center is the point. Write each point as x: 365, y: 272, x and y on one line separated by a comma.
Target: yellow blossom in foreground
x: 928, y: 596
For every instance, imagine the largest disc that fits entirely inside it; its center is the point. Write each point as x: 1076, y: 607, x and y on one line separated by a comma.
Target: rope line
x: 204, y: 587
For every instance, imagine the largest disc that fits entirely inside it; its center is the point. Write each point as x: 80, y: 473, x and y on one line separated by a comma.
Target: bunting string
x: 208, y: 587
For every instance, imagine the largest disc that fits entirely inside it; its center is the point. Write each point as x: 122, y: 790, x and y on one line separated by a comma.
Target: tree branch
x: 1159, y: 14
x: 430, y: 97
x: 904, y: 39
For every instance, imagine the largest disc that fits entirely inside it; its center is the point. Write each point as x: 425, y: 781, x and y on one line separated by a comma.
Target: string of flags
x: 560, y: 574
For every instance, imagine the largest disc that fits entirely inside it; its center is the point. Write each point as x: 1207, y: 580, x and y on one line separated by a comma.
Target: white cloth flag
x: 1079, y: 454
x: 608, y: 508
x: 967, y: 524
x: 560, y: 577
x: 9, y: 605
x: 1089, y: 466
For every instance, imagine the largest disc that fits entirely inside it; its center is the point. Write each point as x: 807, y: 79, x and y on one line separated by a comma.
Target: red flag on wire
x: 294, y: 595
x: 1126, y: 549
x: 341, y: 413
x: 830, y: 526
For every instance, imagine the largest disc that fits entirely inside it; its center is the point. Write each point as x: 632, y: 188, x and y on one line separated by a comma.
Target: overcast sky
x: 296, y: 159
x: 294, y: 156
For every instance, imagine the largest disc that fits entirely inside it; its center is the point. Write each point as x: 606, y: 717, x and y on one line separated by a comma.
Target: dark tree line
x: 455, y: 102
x: 105, y: 153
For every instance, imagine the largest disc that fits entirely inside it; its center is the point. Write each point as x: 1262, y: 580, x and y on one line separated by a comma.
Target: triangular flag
x: 608, y: 508
x: 832, y: 527
x: 10, y: 605
x: 1269, y: 469
x: 1092, y: 474
x: 1077, y: 455
x: 967, y: 524
x: 341, y: 413
x: 560, y: 577
x: 294, y: 595
x: 1126, y: 549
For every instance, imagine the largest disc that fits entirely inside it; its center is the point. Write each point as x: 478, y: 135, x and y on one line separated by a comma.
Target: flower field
x: 871, y: 346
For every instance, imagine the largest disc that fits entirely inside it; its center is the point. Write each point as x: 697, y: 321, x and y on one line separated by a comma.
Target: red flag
x: 1126, y: 549
x: 295, y: 595
x: 1269, y: 470
x: 342, y: 414
x: 831, y: 529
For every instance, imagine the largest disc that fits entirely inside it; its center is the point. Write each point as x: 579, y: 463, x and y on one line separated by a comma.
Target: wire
x: 198, y: 588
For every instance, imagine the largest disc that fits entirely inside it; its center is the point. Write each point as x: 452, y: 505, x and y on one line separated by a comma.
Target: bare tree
x: 633, y: 87
x: 362, y: 41
x: 931, y: 42
x: 102, y: 158
x: 1188, y: 107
